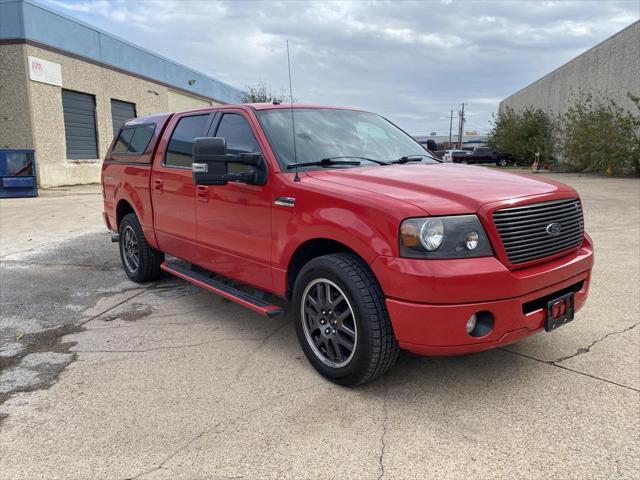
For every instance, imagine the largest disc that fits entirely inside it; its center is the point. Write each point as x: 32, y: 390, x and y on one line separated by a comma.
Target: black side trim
x: 135, y: 164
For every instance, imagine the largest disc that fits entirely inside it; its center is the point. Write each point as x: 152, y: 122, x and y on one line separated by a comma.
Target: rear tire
x: 355, y: 343
x: 502, y: 162
x: 140, y: 261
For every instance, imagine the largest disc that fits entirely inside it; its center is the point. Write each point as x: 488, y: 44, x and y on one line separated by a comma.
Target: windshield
x: 329, y: 133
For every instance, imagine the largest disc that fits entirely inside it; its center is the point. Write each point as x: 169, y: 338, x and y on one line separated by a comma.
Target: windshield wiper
x: 325, y: 162
x: 329, y: 162
x: 379, y: 162
x: 410, y: 158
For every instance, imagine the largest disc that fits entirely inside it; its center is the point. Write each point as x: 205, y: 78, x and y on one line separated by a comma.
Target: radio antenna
x: 296, y: 178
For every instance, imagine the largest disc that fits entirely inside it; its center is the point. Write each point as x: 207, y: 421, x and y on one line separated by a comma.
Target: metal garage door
x: 120, y: 113
x: 80, y: 124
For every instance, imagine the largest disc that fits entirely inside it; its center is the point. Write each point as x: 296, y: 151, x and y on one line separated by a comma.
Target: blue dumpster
x: 18, y: 173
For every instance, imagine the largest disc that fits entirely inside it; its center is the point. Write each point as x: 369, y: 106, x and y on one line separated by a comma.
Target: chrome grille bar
x: 527, y: 232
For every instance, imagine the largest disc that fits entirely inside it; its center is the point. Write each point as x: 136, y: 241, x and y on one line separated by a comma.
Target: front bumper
x: 436, y: 325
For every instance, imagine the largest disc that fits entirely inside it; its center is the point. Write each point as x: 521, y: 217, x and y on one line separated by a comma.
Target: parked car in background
x: 448, y: 155
x: 482, y: 155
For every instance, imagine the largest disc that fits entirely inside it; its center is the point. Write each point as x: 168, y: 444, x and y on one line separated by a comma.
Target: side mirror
x: 211, y: 160
x: 209, y: 165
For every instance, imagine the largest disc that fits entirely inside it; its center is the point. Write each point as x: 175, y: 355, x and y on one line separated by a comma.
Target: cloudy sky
x: 410, y: 61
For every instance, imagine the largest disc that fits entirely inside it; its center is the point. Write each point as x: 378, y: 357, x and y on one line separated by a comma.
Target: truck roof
x: 279, y: 106
x: 160, y: 118
x: 157, y: 118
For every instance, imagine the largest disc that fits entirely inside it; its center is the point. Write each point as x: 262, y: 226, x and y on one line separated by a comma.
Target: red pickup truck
x: 377, y: 245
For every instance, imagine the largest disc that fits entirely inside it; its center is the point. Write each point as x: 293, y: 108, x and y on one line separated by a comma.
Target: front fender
x: 358, y: 220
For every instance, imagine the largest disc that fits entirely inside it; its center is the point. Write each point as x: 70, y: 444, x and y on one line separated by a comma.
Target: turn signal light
x: 410, y: 234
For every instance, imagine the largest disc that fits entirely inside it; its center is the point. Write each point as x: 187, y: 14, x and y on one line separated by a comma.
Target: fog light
x: 471, y: 323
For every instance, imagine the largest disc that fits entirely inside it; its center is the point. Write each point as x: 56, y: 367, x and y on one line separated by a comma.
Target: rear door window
x: 179, y: 150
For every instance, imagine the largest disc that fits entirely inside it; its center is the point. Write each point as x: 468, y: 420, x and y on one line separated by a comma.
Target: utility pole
x: 450, y: 127
x: 461, y: 126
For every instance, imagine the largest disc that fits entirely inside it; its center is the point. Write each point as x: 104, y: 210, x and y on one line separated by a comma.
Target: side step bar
x: 182, y: 270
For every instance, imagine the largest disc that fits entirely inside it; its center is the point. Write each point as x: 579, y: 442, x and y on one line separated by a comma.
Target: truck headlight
x: 458, y: 236
x: 432, y: 233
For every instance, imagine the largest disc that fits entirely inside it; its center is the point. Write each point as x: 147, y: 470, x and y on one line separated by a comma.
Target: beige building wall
x: 47, y: 115
x: 609, y: 70
x: 178, y: 101
x: 31, y: 114
x: 15, y: 121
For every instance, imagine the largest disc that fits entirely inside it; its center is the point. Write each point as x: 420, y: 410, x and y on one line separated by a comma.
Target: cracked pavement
x: 103, y: 378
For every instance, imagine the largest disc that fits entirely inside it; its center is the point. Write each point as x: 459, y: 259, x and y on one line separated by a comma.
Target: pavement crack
x: 106, y: 310
x: 385, y: 422
x: 212, y: 426
x: 557, y: 365
x: 54, y: 264
x: 247, y: 361
x: 583, y: 350
x: 170, y: 347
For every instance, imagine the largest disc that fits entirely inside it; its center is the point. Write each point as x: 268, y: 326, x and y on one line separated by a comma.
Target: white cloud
x: 411, y: 61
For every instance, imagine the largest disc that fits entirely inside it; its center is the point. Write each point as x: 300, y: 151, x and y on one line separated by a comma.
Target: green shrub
x: 523, y: 134
x: 600, y: 136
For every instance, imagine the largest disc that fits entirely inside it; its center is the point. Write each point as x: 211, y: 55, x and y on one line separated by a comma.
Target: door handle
x: 157, y: 185
x: 202, y: 192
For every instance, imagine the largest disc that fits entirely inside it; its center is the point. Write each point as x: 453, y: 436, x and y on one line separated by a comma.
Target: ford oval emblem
x: 554, y: 228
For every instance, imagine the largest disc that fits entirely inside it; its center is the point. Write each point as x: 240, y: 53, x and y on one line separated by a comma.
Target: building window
x: 179, y: 150
x: 120, y: 113
x: 80, y: 125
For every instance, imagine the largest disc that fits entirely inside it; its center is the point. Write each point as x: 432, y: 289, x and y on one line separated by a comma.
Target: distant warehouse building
x: 66, y: 87
x: 609, y: 70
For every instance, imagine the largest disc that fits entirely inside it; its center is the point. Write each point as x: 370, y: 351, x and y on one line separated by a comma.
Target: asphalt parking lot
x: 103, y: 378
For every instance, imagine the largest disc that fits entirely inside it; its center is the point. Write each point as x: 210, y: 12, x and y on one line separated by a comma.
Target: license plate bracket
x: 560, y: 311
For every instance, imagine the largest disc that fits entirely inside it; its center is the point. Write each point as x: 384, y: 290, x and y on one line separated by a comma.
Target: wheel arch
x: 309, y: 250
x: 123, y: 208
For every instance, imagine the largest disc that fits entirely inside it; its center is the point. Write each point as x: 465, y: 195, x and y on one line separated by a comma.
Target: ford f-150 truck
x: 377, y: 246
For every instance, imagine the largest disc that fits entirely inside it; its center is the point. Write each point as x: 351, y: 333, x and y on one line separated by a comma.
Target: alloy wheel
x: 329, y: 323
x: 130, y: 250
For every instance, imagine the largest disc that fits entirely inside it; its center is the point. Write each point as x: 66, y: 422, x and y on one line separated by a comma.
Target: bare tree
x: 261, y: 93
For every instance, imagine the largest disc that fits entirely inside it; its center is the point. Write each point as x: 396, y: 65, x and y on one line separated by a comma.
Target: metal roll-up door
x: 120, y: 113
x: 80, y: 125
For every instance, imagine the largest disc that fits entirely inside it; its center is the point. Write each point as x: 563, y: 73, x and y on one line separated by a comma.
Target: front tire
x: 140, y: 261
x: 502, y: 162
x: 341, y: 320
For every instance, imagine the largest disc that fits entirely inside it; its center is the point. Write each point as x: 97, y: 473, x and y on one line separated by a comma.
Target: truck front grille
x: 540, y: 230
